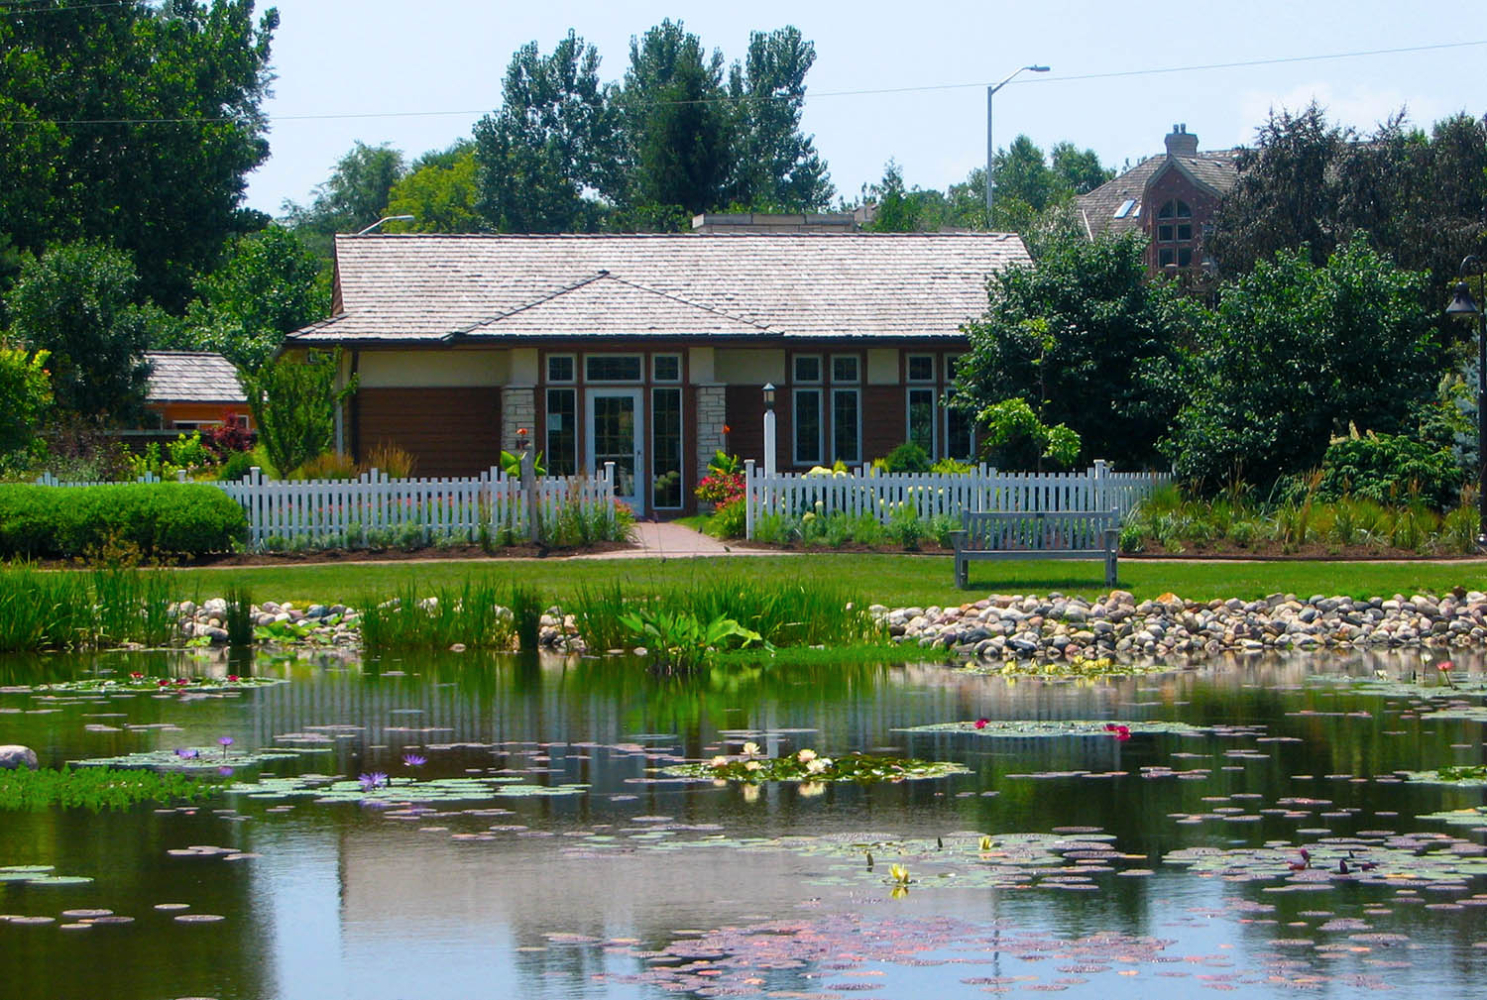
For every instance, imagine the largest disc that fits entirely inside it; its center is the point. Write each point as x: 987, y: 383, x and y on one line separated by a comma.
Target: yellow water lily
x: 899, y: 873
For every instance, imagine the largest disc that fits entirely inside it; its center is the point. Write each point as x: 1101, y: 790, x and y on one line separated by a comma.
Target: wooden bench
x: 1066, y: 534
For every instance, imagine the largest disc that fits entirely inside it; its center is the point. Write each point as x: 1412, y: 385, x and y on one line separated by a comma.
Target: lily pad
x: 1061, y: 727
x: 195, y: 758
x: 333, y: 788
x: 39, y: 875
x: 807, y: 766
x: 1396, y: 860
x: 1102, y: 666
x: 1465, y: 776
x: 131, y: 684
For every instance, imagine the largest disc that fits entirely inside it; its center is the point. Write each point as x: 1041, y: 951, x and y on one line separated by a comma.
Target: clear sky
x: 419, y: 74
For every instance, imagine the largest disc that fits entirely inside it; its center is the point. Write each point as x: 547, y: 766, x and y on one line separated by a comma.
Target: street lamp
x: 990, y: 146
x: 385, y: 218
x: 1463, y: 307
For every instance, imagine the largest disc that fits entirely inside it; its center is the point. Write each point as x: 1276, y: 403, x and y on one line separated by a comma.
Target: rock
x: 14, y: 756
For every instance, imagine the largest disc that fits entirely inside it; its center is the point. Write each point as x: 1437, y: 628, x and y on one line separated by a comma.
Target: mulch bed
x: 379, y: 555
x: 1269, y: 552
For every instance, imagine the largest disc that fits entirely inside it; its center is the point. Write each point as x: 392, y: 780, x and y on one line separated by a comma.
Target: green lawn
x: 885, y: 579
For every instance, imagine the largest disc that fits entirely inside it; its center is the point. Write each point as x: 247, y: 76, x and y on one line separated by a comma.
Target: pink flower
x: 982, y: 723
x: 1446, y: 665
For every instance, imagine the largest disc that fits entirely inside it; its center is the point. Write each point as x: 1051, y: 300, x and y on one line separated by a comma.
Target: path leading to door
x: 668, y: 540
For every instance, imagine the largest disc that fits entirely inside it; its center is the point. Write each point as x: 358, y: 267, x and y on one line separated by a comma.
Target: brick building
x: 1171, y: 197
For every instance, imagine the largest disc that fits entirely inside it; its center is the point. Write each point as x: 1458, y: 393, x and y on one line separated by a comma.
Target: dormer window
x: 1174, y: 234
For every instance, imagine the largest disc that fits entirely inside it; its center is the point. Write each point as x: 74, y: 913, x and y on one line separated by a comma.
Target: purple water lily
x: 372, y: 781
x: 414, y: 760
x: 187, y: 753
x: 224, y: 742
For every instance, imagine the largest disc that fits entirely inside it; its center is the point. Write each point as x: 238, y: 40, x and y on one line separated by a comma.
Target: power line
x: 351, y: 116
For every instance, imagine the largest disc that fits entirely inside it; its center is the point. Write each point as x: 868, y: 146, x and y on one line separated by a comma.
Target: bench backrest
x: 1051, y: 530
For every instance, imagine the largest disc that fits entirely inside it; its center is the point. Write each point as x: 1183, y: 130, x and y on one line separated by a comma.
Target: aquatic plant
x: 807, y: 765
x: 138, y: 681
x: 526, y: 615
x: 104, y: 608
x: 1073, y: 727
x: 238, y: 618
x: 470, y: 614
x: 678, y: 640
x: 96, y: 788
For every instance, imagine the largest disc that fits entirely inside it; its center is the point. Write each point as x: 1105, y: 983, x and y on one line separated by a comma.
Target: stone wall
x: 712, y: 416
x: 518, y: 410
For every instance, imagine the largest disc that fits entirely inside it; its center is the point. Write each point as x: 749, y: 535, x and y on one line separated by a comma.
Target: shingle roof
x: 192, y: 377
x: 1214, y: 169
x: 430, y: 287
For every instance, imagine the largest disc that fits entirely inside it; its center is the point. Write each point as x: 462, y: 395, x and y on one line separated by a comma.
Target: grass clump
x: 97, y: 788
x: 98, y: 609
x: 470, y: 614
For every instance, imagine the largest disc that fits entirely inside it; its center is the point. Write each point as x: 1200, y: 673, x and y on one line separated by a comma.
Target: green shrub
x: 908, y: 457
x: 236, y: 466
x: 905, y: 527
x: 729, y: 520
x: 1389, y: 468
x: 156, y: 518
x: 952, y: 467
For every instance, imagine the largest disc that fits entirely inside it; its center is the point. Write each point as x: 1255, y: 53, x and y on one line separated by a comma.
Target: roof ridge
x: 688, y: 302
x: 548, y: 297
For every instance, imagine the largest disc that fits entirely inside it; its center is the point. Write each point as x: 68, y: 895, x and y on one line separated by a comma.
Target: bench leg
x: 1110, y: 569
x: 962, y: 572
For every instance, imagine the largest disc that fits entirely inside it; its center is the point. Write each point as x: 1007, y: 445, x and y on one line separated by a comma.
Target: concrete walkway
x: 667, y: 540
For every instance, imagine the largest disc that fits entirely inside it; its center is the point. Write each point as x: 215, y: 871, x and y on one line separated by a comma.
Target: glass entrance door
x: 615, y: 426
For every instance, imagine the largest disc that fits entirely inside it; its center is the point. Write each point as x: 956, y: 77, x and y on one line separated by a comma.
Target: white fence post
x: 749, y: 497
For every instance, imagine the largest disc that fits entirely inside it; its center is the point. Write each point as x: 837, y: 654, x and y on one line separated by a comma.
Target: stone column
x: 712, y: 414
x: 518, y: 410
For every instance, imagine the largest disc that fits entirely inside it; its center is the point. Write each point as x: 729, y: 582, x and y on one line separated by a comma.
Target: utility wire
x: 1202, y: 67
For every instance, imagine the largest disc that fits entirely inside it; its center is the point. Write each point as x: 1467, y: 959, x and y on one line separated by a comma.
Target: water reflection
x: 346, y: 901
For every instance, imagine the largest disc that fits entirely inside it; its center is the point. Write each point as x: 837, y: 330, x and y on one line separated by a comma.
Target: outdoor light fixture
x: 1463, y: 307
x: 769, y: 395
x: 385, y: 218
x: 991, y: 146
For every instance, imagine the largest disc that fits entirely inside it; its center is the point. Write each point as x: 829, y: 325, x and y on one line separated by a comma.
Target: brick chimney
x: 1181, y: 142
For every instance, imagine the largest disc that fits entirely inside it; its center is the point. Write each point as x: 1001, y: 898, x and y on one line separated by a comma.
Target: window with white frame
x: 562, y: 432
x: 845, y: 369
x: 921, y: 367
x: 808, y: 424
x: 921, y: 418
x: 807, y: 368
x: 666, y: 368
x: 846, y: 424
x: 613, y: 368
x: 666, y: 447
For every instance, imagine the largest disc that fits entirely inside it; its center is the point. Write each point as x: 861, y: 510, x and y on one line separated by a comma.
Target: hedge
x: 59, y: 522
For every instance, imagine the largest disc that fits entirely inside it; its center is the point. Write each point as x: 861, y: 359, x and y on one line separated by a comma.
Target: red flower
x: 162, y: 682
x: 136, y: 675
x: 981, y: 723
x: 232, y: 678
x: 1122, y: 733
x: 181, y: 682
x: 1444, y: 665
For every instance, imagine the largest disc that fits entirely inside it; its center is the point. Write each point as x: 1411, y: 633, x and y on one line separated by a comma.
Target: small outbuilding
x: 193, y: 390
x: 653, y: 351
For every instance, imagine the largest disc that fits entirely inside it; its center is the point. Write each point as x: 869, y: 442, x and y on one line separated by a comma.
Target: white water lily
x: 818, y: 765
x: 719, y: 761
x: 752, y: 765
x: 806, y: 756
x: 751, y: 749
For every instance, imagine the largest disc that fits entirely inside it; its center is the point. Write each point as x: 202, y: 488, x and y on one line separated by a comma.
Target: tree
x: 137, y: 125
x: 1088, y: 342
x: 294, y: 404
x: 25, y: 394
x: 354, y: 197
x: 1078, y: 171
x: 76, y: 302
x: 774, y: 166
x: 439, y: 192
x: 678, y: 126
x: 1296, y: 354
x: 541, y: 157
x: 271, y: 284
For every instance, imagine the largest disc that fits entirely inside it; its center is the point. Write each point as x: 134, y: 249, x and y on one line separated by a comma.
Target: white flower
x: 818, y: 765
x: 719, y: 761
x: 751, y: 749
x: 752, y: 765
x: 806, y: 756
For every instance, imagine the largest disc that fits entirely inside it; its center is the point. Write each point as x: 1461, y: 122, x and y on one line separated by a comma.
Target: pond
x: 564, y: 862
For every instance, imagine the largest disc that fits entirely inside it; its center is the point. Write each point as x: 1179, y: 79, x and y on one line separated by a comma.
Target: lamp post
x: 990, y: 145
x: 385, y: 218
x: 1463, y: 307
x: 769, y: 431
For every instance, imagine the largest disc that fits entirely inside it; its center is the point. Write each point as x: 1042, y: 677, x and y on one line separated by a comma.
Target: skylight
x: 1125, y: 208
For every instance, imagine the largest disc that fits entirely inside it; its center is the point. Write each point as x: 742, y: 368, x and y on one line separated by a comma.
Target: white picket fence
x: 355, y: 509
x: 930, y: 494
